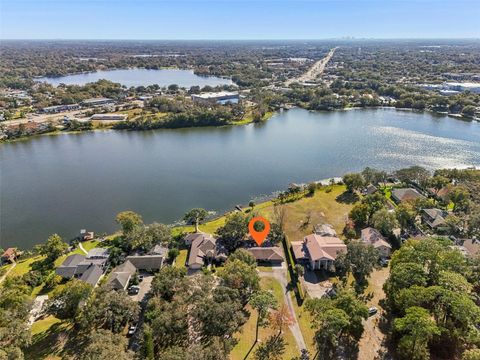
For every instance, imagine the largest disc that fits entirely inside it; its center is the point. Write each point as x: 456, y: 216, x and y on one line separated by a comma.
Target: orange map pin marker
x: 259, y: 236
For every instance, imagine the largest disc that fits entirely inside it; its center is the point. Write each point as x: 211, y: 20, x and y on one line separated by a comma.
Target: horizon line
x: 343, y: 38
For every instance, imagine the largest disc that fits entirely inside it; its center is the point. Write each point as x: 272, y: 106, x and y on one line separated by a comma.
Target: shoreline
x: 267, y: 117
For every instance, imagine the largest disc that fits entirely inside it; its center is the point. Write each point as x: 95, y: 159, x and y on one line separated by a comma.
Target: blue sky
x: 238, y: 19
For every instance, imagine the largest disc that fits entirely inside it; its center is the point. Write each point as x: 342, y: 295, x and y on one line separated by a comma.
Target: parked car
x: 133, y: 290
x: 140, y: 278
x: 132, y: 329
x: 372, y: 311
x: 384, y: 262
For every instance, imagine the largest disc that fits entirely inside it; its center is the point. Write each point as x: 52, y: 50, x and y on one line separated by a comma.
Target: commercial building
x: 222, y: 97
x: 97, y: 102
x: 60, y: 108
x: 109, y: 117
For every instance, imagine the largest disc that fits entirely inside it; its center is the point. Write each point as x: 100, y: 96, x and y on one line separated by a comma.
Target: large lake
x: 140, y: 77
x: 67, y: 182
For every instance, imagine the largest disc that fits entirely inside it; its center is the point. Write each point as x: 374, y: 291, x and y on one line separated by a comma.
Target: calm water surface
x: 67, y: 182
x: 139, y: 77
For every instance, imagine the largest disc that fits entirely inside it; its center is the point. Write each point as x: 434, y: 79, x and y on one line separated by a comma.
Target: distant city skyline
x: 238, y: 19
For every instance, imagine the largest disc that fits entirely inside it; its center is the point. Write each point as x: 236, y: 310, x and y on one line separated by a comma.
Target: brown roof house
x: 407, y: 194
x: 373, y: 237
x: 9, y: 255
x: 271, y: 255
x: 434, y: 218
x: 205, y: 249
x: 318, y: 252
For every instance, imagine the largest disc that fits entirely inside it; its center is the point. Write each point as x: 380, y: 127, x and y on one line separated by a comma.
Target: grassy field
x: 247, y: 335
x: 181, y: 259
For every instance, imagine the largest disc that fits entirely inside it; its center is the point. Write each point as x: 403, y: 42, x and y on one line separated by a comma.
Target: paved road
x: 280, y: 274
x: 315, y: 71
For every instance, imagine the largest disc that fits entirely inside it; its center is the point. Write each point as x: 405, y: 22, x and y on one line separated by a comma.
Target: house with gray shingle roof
x: 434, y: 218
x: 204, y: 249
x: 92, y: 275
x: 121, y: 275
x: 69, y: 266
x: 272, y: 255
x: 371, y: 236
x: 406, y: 194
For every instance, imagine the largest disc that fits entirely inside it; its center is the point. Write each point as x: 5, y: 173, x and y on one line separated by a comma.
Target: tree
x: 333, y: 322
x: 53, y: 248
x: 234, y: 230
x: 405, y: 214
x: 472, y: 354
x: 65, y: 301
x: 384, y: 221
x: 128, y: 220
x: 416, y: 174
x: 280, y: 215
x: 168, y: 281
x: 353, y: 181
x: 104, y: 345
x: 373, y: 176
x: 281, y: 318
x: 416, y: 328
x: 144, y: 237
x: 195, y: 216
x: 262, y: 301
x: 244, y: 256
x: 272, y: 349
x: 173, y: 254
x: 238, y: 275
x: 359, y: 260
x: 438, y: 182
x: 459, y: 196
x: 108, y: 309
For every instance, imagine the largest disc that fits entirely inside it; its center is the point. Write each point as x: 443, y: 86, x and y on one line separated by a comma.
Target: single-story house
x: 324, y: 230
x: 369, y: 190
x: 407, y: 194
x: 189, y: 238
x: 121, y: 275
x: 88, y: 268
x: 272, y: 255
x: 205, y: 249
x: 434, y: 218
x: 69, y: 266
x: 318, y: 252
x: 92, y: 275
x: 373, y: 237
x: 9, y: 256
x: 146, y: 262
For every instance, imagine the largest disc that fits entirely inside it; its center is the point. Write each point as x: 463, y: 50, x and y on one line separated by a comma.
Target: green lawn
x: 181, y: 259
x: 247, y: 335
x: 24, y: 266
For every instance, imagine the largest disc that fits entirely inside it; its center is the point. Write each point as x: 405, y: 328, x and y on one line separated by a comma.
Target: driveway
x: 280, y: 274
x: 145, y: 286
x: 315, y: 287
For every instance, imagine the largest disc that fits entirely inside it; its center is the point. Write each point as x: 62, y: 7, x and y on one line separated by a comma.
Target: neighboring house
x: 434, y: 218
x: 92, y: 275
x: 189, y: 238
x: 407, y: 194
x: 270, y: 255
x: 89, y: 268
x: 369, y: 190
x: 9, y: 256
x: 159, y: 250
x: 121, y: 275
x: 324, y: 230
x: 205, y: 249
x: 373, y: 237
x: 69, y: 266
x: 469, y: 247
x: 318, y: 252
x: 147, y: 262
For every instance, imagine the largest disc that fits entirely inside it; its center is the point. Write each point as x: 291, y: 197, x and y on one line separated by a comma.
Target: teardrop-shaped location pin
x: 259, y: 236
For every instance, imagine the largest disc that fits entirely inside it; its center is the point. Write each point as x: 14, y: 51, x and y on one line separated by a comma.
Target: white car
x: 372, y: 311
x: 132, y: 329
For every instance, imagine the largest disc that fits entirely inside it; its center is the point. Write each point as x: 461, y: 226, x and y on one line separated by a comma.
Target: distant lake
x: 69, y: 182
x: 140, y: 77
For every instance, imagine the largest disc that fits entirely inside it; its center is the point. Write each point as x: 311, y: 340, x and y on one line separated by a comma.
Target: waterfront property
x: 222, y: 97
x: 88, y: 268
x: 204, y: 250
x: 161, y: 166
x: 267, y: 255
x: 9, y: 256
x: 120, y: 276
x: 372, y: 236
x: 406, y: 195
x: 318, y: 252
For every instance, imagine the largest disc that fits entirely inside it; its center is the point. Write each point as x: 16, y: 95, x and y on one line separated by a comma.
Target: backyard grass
x: 181, y: 259
x: 24, y: 266
x: 303, y: 214
x: 247, y: 335
x: 46, y: 340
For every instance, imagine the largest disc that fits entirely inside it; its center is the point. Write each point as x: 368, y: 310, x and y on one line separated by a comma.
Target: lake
x: 139, y: 77
x: 72, y: 181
